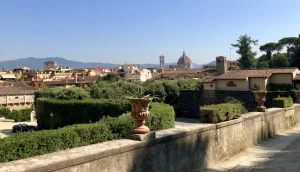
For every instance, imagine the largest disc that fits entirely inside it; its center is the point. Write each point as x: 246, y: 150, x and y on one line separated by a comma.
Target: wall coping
x: 66, y: 158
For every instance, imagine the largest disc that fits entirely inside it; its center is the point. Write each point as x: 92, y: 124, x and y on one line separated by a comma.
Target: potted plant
x: 139, y: 109
x: 260, y: 97
x: 297, y: 92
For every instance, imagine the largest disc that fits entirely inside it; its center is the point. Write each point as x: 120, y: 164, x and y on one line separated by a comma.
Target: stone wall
x: 190, y: 100
x: 187, y: 148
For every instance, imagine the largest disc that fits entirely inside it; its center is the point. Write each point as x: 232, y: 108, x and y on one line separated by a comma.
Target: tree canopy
x: 247, y: 56
x: 270, y: 48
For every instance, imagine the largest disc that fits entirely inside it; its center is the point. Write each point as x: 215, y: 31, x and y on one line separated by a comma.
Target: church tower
x: 162, y: 62
x: 221, y: 63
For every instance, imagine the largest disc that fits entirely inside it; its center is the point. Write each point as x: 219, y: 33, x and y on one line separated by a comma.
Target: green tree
x: 270, y: 48
x: 280, y: 60
x: 112, y: 77
x: 243, y: 45
x: 292, y: 45
x: 263, y: 65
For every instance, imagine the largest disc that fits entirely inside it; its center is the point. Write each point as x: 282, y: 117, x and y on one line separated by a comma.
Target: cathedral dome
x: 184, y: 60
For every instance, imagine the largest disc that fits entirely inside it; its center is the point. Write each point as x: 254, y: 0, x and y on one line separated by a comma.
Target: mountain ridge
x: 38, y: 63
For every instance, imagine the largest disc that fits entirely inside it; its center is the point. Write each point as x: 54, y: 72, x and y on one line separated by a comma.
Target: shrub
x: 24, y: 145
x: 69, y: 112
x: 283, y: 102
x: 4, y: 112
x: 16, y: 115
x: 279, y: 87
x: 220, y: 112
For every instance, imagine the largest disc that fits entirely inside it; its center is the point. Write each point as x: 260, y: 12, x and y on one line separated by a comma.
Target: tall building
x: 221, y: 65
x: 50, y: 65
x: 183, y: 63
x: 162, y: 62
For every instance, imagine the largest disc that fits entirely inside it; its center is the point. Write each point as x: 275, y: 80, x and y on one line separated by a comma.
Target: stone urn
x: 260, y: 98
x: 140, y: 112
x: 297, y: 95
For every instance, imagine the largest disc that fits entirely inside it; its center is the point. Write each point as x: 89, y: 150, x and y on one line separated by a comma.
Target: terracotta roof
x: 181, y: 71
x: 14, y: 88
x: 91, y: 78
x: 254, y: 73
x: 184, y: 59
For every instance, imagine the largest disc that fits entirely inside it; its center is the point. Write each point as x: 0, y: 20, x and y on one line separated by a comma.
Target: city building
x: 247, y: 79
x: 132, y: 73
x: 183, y: 63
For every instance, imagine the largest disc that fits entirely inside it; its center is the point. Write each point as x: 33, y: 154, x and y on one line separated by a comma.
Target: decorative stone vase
x: 297, y: 94
x: 140, y: 112
x: 260, y: 98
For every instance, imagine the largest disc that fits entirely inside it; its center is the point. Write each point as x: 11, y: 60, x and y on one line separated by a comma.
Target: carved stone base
x: 261, y: 109
x: 140, y: 130
x: 142, y: 137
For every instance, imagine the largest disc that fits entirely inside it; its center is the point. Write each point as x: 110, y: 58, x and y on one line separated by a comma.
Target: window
x: 231, y: 84
x: 211, y: 85
x: 16, y: 97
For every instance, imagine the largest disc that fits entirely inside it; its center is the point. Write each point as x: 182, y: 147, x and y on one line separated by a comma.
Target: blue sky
x: 138, y: 31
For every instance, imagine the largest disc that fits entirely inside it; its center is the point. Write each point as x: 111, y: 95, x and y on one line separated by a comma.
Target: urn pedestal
x: 260, y: 98
x: 140, y: 112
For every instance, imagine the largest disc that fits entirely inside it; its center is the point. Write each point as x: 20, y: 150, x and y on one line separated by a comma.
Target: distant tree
x: 280, y: 60
x: 111, y: 77
x: 292, y: 45
x: 270, y: 48
x: 243, y: 45
x: 263, y: 65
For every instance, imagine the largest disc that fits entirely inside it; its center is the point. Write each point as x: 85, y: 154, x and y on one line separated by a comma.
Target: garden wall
x: 187, y: 148
x: 190, y: 100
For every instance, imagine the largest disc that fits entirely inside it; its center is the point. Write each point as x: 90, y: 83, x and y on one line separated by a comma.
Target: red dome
x: 184, y: 59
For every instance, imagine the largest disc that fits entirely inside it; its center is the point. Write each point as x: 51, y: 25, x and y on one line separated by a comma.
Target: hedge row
x: 26, y: 145
x: 283, y: 102
x: 279, y: 87
x: 16, y: 115
x: 220, y: 112
x: 69, y: 112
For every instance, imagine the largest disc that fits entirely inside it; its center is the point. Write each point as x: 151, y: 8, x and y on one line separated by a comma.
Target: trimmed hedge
x: 24, y: 145
x: 279, y: 87
x: 69, y: 112
x: 220, y: 112
x: 16, y: 115
x: 283, y: 102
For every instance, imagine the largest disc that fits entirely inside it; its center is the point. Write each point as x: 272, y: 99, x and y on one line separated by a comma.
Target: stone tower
x: 162, y: 62
x: 221, y: 63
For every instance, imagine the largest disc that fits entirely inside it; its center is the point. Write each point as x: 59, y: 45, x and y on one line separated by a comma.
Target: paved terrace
x: 278, y: 154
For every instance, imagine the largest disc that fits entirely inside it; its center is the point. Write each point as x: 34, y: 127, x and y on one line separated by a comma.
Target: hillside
x: 38, y: 63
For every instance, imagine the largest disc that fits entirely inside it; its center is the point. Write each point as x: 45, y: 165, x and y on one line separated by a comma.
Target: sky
x: 139, y: 31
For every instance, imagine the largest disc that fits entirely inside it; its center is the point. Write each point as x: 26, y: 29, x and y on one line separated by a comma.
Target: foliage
x: 279, y: 87
x: 269, y: 48
x: 162, y: 116
x: 69, y: 112
x: 30, y: 144
x: 112, y: 77
x: 62, y: 93
x: 247, y: 59
x: 283, y: 102
x: 263, y: 65
x: 297, y: 88
x: 157, y: 90
x: 4, y: 111
x: 16, y: 115
x: 257, y: 87
x: 220, y: 112
x: 279, y: 60
x: 235, y: 101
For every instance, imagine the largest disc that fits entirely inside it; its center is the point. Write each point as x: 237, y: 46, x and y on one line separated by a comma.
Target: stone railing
x: 187, y: 148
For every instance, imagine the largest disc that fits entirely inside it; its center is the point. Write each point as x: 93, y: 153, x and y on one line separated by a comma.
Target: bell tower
x: 162, y: 62
x: 221, y: 63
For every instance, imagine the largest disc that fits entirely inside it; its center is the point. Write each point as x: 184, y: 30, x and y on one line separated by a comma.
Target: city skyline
x: 136, y: 32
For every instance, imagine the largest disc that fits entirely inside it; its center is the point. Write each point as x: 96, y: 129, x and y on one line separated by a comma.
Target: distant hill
x: 38, y: 63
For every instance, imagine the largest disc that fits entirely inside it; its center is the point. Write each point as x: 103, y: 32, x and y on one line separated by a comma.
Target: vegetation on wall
x: 279, y: 87
x: 220, y: 112
x: 283, y: 102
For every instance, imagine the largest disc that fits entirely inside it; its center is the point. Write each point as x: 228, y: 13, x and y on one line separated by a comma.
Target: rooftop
x: 13, y: 88
x: 254, y: 73
x: 184, y: 59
